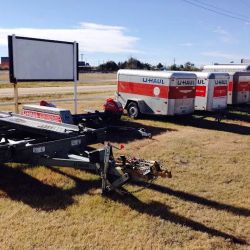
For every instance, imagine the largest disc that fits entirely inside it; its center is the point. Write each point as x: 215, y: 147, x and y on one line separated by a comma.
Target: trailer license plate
x: 39, y: 150
x: 76, y: 142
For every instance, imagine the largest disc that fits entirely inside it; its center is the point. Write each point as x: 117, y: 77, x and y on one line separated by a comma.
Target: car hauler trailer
x: 92, y: 118
x: 239, y: 82
x: 156, y: 92
x: 28, y: 140
x: 211, y: 91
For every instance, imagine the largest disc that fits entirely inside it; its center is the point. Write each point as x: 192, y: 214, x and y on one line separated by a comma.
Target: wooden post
x: 16, y: 98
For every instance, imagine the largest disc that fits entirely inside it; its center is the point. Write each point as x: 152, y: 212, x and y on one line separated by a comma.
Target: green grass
x: 86, y: 101
x: 84, y: 79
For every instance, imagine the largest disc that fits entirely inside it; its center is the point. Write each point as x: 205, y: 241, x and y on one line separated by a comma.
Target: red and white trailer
x: 239, y: 82
x: 211, y: 91
x: 156, y: 92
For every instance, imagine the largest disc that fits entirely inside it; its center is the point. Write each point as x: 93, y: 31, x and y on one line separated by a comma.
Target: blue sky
x: 152, y: 31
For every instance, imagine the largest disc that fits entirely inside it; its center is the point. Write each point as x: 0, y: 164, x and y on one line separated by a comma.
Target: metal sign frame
x: 12, y: 74
x: 14, y: 78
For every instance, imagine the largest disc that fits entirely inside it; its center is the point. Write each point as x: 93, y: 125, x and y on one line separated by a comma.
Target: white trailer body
x: 226, y: 67
x: 211, y: 91
x: 239, y: 82
x: 241, y: 87
x: 157, y: 92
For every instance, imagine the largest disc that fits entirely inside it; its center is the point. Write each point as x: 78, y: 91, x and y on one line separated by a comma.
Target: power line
x: 217, y: 12
x: 224, y: 10
x: 244, y: 2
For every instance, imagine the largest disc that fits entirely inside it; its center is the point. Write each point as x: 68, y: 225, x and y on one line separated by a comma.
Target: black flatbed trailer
x: 38, y: 142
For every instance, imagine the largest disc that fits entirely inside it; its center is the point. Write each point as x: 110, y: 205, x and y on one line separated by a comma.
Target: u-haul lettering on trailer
x: 200, y: 81
x: 185, y: 82
x: 221, y: 82
x: 152, y: 80
x: 43, y: 116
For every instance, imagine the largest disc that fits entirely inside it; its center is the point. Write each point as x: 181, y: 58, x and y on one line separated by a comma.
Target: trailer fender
x: 141, y: 104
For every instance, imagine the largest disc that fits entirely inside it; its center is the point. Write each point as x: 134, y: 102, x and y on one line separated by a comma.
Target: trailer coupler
x: 127, y: 169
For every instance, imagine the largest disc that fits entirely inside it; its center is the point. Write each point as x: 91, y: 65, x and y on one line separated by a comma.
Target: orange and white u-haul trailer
x: 239, y: 82
x: 156, y: 92
x: 211, y: 91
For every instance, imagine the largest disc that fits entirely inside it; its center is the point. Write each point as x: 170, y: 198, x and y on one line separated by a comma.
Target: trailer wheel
x: 133, y: 110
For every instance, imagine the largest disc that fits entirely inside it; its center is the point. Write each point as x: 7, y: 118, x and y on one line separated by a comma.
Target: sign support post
x: 75, y: 76
x: 16, y: 98
x: 15, y: 87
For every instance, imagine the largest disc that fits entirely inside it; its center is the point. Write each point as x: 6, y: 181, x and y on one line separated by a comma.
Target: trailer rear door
x: 182, y: 91
x: 241, y: 94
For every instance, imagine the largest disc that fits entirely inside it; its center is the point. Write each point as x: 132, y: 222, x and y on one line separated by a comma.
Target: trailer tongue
x: 34, y: 141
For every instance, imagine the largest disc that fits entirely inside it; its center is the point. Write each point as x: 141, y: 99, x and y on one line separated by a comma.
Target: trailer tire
x: 133, y: 110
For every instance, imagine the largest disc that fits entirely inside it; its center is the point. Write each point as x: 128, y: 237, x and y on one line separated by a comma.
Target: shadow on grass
x: 197, y: 199
x: 160, y: 210
x: 81, y: 186
x: 123, y: 136
x: 201, y: 122
x: 243, y: 108
x: 238, y: 117
x: 22, y: 187
x: 239, y: 113
x: 234, y: 113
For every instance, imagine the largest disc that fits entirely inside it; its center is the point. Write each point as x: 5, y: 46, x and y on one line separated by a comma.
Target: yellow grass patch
x: 206, y: 205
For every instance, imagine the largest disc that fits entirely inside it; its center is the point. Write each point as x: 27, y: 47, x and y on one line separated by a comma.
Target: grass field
x: 206, y: 205
x: 84, y: 79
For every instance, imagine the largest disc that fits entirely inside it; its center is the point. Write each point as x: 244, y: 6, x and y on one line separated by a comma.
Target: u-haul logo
x: 221, y: 82
x: 152, y: 80
x: 185, y: 82
x: 42, y: 115
x: 200, y: 81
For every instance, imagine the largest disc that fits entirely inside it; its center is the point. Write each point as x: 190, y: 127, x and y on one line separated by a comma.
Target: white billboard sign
x: 33, y: 59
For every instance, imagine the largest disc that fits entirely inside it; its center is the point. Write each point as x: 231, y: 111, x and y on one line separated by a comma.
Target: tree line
x: 133, y: 63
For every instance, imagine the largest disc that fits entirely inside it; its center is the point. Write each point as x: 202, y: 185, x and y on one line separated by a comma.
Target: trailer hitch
x: 128, y: 169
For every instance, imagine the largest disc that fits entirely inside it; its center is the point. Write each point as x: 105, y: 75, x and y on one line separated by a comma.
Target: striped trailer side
x: 157, y: 92
x: 211, y: 91
x: 239, y: 82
